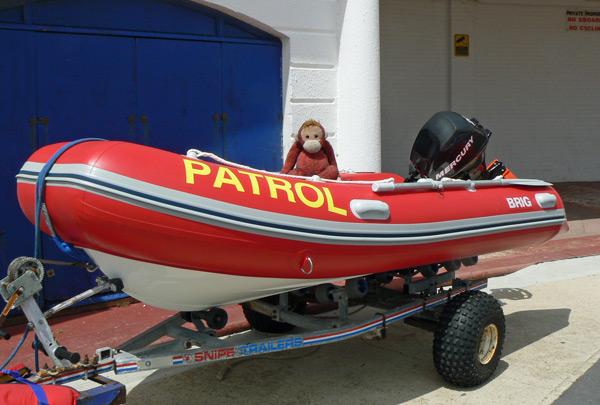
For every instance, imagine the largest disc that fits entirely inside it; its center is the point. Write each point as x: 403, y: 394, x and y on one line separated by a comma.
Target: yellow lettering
x: 190, y: 170
x: 230, y: 179
x: 283, y: 185
x: 330, y: 204
x: 313, y: 204
x: 253, y: 181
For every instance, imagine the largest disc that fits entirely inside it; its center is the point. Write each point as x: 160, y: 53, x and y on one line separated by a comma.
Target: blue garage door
x: 168, y: 74
x: 177, y: 111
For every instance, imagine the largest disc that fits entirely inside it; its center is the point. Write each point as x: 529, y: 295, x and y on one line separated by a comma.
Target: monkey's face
x: 312, y: 138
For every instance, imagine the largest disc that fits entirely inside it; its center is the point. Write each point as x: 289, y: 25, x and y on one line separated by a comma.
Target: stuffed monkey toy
x: 311, y: 154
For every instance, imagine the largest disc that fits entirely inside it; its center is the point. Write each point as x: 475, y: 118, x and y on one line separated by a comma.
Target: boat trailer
x: 468, y: 326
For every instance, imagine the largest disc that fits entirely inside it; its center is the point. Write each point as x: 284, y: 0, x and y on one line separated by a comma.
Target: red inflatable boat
x: 188, y: 233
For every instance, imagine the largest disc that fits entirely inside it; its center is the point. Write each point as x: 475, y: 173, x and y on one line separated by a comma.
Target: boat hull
x: 187, y: 234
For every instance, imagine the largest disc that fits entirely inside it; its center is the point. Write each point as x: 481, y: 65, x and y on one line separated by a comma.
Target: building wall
x: 414, y: 73
x: 541, y: 92
x: 527, y: 78
x: 330, y: 69
x: 308, y: 30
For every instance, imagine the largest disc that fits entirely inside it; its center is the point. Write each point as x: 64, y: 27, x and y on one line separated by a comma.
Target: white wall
x: 414, y: 73
x: 528, y: 79
x: 330, y: 69
x: 536, y: 87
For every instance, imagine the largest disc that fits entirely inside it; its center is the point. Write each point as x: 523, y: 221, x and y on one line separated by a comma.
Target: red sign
x: 583, y: 20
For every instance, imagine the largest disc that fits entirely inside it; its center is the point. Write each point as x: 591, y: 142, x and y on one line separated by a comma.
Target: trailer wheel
x: 264, y: 323
x: 468, y: 339
x: 216, y: 318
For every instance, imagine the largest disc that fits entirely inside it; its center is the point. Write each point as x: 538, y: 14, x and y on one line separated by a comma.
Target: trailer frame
x: 419, y: 301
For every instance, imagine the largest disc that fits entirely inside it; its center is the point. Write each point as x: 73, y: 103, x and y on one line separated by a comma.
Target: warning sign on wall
x: 583, y: 20
x: 461, y: 45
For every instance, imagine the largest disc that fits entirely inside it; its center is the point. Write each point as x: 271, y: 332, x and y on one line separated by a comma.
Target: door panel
x: 174, y: 94
x: 17, y: 108
x: 253, y: 104
x: 86, y: 87
x: 179, y: 93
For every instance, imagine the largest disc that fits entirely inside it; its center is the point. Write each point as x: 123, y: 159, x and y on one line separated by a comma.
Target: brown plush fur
x: 301, y: 162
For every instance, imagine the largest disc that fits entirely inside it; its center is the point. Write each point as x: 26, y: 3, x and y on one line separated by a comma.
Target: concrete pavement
x: 552, y: 315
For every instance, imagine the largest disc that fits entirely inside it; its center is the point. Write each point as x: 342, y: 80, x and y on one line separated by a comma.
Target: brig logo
x: 519, y: 202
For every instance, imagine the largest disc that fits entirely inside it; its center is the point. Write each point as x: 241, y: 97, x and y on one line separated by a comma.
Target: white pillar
x: 359, y: 112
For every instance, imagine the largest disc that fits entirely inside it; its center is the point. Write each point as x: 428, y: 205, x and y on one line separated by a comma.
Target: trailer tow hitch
x: 18, y: 289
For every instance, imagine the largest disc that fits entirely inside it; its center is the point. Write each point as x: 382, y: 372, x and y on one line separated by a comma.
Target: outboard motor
x: 449, y: 145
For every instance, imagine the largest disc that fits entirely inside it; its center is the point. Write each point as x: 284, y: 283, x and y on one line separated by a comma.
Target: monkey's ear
x: 296, y: 137
x: 324, y: 134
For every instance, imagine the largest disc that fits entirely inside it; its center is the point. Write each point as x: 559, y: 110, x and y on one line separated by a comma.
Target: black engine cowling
x: 449, y: 145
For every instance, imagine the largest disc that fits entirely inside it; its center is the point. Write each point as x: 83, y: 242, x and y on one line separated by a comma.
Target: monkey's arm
x: 292, y: 157
x: 331, y: 172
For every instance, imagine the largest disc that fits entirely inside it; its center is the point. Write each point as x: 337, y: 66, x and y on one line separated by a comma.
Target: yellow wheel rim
x: 488, y: 344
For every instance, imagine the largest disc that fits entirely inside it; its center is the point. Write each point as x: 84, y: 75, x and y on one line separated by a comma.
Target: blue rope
x: 36, y: 353
x: 16, y: 348
x: 65, y: 247
x: 40, y: 187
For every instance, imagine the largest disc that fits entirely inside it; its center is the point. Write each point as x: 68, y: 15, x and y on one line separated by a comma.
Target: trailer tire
x: 216, y: 318
x: 429, y: 270
x: 468, y: 339
x: 264, y: 323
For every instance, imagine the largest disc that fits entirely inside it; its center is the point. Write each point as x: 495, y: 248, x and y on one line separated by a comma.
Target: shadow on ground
x: 581, y: 199
x: 355, y: 371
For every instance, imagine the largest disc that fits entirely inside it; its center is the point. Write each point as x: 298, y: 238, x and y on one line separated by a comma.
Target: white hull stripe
x: 200, y: 209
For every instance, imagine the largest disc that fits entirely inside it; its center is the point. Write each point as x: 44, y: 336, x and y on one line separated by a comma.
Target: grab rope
x: 197, y: 154
x: 40, y: 205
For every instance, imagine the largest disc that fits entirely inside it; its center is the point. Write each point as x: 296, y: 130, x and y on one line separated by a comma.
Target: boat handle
x: 309, y: 260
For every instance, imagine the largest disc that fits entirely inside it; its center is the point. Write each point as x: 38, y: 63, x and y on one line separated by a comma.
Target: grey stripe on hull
x: 231, y: 216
